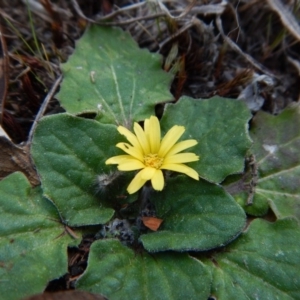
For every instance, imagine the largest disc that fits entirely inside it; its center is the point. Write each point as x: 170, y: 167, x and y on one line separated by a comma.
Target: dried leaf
x: 14, y: 158
x: 152, y: 222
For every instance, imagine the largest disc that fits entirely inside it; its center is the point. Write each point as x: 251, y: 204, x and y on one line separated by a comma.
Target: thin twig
x: 79, y: 11
x: 43, y: 107
x: 254, y: 178
x: 117, y: 23
x: 121, y: 10
x: 4, y: 73
x: 287, y: 18
x: 235, y: 47
x: 183, y: 12
x: 206, y: 9
x: 81, y: 14
x: 187, y: 10
x: 179, y: 32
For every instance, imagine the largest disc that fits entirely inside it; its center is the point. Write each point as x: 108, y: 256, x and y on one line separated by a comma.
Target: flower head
x: 151, y: 154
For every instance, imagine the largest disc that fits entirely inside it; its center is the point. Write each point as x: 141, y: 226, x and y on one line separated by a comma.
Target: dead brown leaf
x: 15, y: 158
x: 152, y: 222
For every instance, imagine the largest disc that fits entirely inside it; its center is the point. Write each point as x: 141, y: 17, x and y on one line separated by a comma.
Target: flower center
x: 153, y: 161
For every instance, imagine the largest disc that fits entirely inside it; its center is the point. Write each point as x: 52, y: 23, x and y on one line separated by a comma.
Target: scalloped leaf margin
x: 110, y: 75
x: 220, y: 126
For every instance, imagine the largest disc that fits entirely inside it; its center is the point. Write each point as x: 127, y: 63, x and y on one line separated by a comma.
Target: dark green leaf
x: 109, y: 74
x: 197, y: 216
x: 276, y: 148
x: 33, y: 242
x: 262, y: 264
x: 118, y: 273
x: 221, y: 128
x: 69, y: 153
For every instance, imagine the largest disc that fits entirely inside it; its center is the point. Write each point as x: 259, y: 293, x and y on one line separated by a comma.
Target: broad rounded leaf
x: 109, y: 74
x: 33, y: 242
x: 276, y: 149
x: 197, y: 216
x: 118, y: 272
x: 221, y: 128
x: 69, y: 153
x: 261, y: 264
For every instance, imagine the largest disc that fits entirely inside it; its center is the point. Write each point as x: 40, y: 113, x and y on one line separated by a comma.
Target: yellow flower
x: 148, y: 152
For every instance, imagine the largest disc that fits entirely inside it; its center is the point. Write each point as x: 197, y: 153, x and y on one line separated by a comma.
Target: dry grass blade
x: 79, y: 11
x: 190, y: 24
x: 295, y: 63
x: 14, y: 158
x: 182, y: 14
x: 102, y: 21
x: 3, y: 74
x: 106, y: 17
x: 44, y: 106
x: 209, y: 9
x: 235, y: 47
x: 287, y: 18
x: 37, y: 8
x: 121, y: 10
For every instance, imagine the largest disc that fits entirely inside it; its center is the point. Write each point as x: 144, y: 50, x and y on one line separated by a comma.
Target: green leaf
x: 276, y: 148
x: 197, y: 216
x: 258, y: 208
x: 69, y: 153
x: 262, y: 264
x: 109, y: 74
x: 33, y: 243
x: 221, y: 128
x: 118, y: 273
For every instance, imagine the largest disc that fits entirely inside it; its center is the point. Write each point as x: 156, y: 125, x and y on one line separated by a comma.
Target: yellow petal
x: 136, y: 183
x: 181, y: 146
x: 147, y: 130
x: 181, y: 168
x: 154, y: 134
x: 147, y: 173
x: 130, y: 165
x: 130, y: 137
x: 146, y: 127
x: 158, y: 180
x: 136, y: 153
x: 142, y: 138
x: 170, y: 139
x: 181, y: 158
x: 117, y: 159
